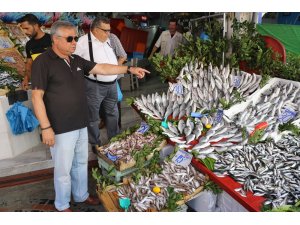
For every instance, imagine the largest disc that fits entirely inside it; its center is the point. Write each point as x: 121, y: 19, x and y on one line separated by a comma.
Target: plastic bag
x: 120, y: 95
x: 21, y: 119
x: 205, y: 201
x: 226, y: 203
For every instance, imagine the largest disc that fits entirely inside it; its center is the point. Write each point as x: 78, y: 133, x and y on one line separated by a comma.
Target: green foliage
x: 209, y: 163
x: 289, y: 127
x: 140, y: 155
x: 225, y: 104
x: 248, y: 46
x: 124, y: 134
x: 104, y: 180
x: 211, y: 186
x: 129, y: 101
x: 12, y: 72
x: 209, y: 51
x: 255, y: 138
x: 155, y: 125
x: 172, y: 200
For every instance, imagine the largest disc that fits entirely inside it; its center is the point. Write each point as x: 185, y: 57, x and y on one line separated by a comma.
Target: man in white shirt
x: 168, y: 41
x: 101, y: 90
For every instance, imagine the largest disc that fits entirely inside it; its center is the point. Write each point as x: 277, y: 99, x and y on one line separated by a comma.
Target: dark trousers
x: 105, y: 96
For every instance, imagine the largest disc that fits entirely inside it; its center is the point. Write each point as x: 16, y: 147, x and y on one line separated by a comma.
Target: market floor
x: 39, y: 197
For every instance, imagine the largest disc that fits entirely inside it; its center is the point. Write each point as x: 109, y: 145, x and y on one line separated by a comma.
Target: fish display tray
x: 121, y: 165
x: 254, y: 98
x: 251, y: 202
x: 110, y: 199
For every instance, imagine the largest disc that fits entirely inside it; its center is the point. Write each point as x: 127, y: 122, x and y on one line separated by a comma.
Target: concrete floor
x: 39, y: 196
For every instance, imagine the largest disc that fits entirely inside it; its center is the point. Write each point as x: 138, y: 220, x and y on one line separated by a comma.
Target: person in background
x: 60, y: 104
x: 38, y: 43
x: 101, y: 90
x: 122, y: 57
x: 168, y: 41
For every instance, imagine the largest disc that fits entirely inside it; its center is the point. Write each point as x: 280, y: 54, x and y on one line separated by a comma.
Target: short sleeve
x: 39, y: 74
x: 87, y: 65
x: 116, y: 44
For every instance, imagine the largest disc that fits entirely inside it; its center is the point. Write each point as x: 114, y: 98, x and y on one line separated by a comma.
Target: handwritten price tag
x: 178, y: 89
x: 287, y: 115
x: 219, y: 116
x: 143, y: 128
x: 236, y: 81
x: 182, y: 158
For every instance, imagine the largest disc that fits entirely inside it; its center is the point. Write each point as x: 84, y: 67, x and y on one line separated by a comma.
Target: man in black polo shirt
x: 38, y: 43
x: 60, y: 104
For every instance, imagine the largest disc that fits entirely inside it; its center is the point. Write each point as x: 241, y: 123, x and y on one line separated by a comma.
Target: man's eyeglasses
x: 106, y: 31
x: 69, y: 39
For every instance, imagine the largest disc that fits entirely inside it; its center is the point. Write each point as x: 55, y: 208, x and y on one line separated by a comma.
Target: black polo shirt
x: 64, y: 86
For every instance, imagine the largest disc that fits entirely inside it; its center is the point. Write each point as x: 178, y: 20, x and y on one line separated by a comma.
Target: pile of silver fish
x: 216, y: 140
x: 267, y: 169
x: 271, y: 104
x: 207, y: 86
x: 6, y: 79
x: 183, y: 179
x: 122, y: 149
x: 202, y: 90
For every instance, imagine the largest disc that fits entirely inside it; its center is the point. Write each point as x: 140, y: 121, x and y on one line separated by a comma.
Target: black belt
x: 100, y: 82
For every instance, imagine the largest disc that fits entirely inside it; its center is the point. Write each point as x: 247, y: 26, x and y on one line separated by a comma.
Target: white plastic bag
x: 205, y: 201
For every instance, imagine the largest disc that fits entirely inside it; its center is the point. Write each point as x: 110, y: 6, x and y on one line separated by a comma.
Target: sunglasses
x: 69, y: 39
x: 106, y: 31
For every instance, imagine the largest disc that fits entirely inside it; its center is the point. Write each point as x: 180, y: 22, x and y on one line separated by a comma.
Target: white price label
x: 287, y: 115
x: 236, y: 81
x: 143, y: 128
x: 178, y: 89
x: 219, y: 116
x: 182, y: 158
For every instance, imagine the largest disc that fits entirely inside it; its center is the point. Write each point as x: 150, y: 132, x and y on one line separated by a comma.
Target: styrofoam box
x: 225, y: 203
x: 205, y: 201
x: 254, y: 98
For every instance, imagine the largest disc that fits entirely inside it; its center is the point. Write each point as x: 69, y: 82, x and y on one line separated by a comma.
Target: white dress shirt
x: 102, y: 52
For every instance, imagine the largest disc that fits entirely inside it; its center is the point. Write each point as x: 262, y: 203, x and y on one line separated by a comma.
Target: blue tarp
x: 21, y: 119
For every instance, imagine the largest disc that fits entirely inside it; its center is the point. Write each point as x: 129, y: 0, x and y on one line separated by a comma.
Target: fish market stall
x: 134, y: 146
x: 174, y: 186
x: 251, y: 202
x: 218, y: 114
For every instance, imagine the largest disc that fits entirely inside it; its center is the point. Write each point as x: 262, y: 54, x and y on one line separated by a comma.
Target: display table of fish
x: 275, y: 104
x: 143, y: 196
x: 199, y: 89
x: 267, y: 169
x: 120, y: 153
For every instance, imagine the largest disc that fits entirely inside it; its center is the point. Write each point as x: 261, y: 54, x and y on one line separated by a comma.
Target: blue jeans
x: 70, y: 156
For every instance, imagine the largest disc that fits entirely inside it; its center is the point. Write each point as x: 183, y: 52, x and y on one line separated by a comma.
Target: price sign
x: 198, y: 115
x: 182, y: 158
x: 112, y: 157
x: 219, y: 116
x: 178, y: 89
x: 236, y: 81
x: 143, y: 128
x: 287, y: 115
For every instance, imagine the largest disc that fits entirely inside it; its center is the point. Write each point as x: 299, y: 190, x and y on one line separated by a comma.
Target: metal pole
x: 224, y: 33
x: 205, y: 17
